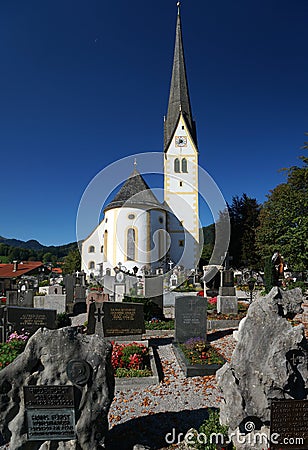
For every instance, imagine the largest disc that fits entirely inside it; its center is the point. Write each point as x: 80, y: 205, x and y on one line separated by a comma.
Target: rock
x: 269, y: 362
x: 44, y: 362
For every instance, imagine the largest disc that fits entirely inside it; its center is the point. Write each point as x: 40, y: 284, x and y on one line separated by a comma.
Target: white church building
x: 138, y: 230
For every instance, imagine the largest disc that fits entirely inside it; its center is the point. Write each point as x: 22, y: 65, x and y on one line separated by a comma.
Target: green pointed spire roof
x: 135, y: 192
x: 179, y: 100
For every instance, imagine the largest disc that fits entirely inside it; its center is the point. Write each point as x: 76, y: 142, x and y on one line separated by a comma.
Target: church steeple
x: 179, y: 101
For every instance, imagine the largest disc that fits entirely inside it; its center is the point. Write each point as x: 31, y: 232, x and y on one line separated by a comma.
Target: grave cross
x: 98, y: 314
x: 191, y: 303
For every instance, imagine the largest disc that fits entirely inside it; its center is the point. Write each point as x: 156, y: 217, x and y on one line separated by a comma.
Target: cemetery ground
x: 159, y: 416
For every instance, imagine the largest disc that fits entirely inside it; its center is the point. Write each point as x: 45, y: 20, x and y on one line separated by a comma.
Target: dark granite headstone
x: 190, y: 317
x: 116, y: 319
x: 289, y: 424
x: 79, y: 308
x: 69, y: 283
x: 12, y: 298
x: 80, y: 293
x: 50, y: 412
x: 30, y: 319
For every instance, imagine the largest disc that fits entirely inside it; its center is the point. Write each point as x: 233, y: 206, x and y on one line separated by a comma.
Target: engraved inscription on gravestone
x: 289, y: 421
x: 50, y: 412
x: 31, y: 319
x: 190, y: 318
x: 116, y: 319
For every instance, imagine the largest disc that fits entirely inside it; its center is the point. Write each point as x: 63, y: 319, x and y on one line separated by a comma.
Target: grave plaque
x: 190, y: 318
x: 31, y: 319
x: 289, y: 424
x: 50, y: 412
x: 116, y: 319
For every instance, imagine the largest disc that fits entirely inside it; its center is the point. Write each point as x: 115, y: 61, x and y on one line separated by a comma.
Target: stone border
x: 139, y: 382
x: 197, y: 370
x: 215, y: 324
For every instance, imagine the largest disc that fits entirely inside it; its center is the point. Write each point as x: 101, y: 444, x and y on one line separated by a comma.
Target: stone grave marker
x: 115, y: 319
x: 12, y: 298
x: 190, y: 317
x: 226, y: 299
x: 289, y: 421
x: 30, y: 319
x: 50, y: 413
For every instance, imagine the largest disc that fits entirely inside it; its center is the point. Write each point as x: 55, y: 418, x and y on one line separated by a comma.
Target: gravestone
x: 55, y: 289
x: 51, y: 301
x: 12, y: 298
x: 269, y: 363
x: 115, y: 319
x: 226, y: 299
x: 153, y: 290
x: 190, y: 318
x: 289, y: 421
x: 2, y: 324
x: 30, y: 319
x: 57, y: 393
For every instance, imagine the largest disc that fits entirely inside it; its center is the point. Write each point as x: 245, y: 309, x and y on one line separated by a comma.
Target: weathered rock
x: 44, y: 362
x: 269, y: 362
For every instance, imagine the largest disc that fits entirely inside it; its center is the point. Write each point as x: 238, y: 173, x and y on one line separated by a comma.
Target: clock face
x: 180, y: 141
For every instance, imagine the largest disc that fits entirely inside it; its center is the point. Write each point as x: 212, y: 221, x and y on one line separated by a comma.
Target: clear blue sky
x: 84, y: 83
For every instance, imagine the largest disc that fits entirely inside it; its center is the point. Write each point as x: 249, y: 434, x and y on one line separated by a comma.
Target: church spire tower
x: 181, y: 163
x: 179, y: 100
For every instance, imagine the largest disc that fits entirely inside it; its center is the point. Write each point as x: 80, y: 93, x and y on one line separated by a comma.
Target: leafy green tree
x: 72, y: 262
x: 244, y: 217
x: 284, y: 219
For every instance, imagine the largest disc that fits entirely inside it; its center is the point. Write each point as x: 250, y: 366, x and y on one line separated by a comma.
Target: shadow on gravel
x: 153, y: 429
x: 219, y: 334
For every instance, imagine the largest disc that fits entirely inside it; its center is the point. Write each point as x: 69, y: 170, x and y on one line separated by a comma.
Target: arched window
x: 131, y: 245
x: 102, y: 249
x: 184, y: 165
x: 91, y: 265
x: 161, y: 244
x: 105, y: 244
x: 177, y: 165
x: 91, y: 249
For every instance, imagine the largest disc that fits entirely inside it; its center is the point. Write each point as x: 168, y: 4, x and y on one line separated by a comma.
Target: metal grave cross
x: 99, y: 315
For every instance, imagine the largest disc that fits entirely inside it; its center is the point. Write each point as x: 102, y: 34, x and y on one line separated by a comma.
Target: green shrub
x: 209, y: 427
x: 128, y: 373
x: 63, y: 320
x: 160, y: 325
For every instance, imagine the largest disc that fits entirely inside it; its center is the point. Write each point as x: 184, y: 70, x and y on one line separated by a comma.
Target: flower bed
x: 130, y: 360
x: 197, y: 357
x: 10, y: 349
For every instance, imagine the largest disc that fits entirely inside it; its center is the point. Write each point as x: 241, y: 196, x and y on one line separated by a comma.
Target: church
x: 137, y: 230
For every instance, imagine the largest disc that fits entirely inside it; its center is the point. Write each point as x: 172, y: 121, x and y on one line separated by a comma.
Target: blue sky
x: 84, y: 83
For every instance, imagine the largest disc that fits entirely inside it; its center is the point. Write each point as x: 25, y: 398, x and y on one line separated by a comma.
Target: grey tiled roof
x: 134, y: 192
x: 179, y: 94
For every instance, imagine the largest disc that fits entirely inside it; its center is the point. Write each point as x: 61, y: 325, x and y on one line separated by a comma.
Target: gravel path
x: 145, y: 416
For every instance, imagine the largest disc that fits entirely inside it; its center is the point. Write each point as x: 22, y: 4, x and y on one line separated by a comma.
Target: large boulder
x: 45, y: 362
x: 269, y: 362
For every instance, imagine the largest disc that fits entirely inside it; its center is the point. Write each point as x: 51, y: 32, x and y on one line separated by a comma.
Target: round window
x: 131, y: 216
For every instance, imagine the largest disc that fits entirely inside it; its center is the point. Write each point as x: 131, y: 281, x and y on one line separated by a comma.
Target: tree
x: 72, y: 262
x: 284, y: 219
x: 244, y: 217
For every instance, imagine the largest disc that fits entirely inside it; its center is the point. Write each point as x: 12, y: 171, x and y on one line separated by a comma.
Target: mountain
x: 32, y: 250
x: 30, y: 245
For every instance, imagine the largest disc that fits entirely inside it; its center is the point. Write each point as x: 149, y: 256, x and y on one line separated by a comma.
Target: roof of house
x: 134, y: 192
x: 7, y: 270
